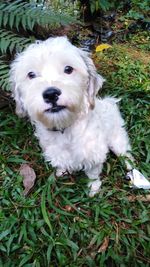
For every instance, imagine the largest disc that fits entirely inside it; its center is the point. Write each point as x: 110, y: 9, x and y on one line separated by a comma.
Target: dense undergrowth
x: 57, y: 224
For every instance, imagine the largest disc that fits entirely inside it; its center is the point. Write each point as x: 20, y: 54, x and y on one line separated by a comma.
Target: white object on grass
x: 137, y: 179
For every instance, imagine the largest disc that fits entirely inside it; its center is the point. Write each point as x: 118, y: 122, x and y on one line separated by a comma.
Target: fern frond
x: 10, y: 41
x: 28, y: 15
x: 4, y: 75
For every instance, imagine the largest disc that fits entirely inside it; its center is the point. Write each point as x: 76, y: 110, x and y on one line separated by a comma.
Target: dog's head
x: 54, y: 82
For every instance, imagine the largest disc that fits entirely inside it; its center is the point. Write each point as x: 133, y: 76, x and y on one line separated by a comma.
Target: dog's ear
x: 95, y: 80
x: 16, y: 94
x: 20, y: 109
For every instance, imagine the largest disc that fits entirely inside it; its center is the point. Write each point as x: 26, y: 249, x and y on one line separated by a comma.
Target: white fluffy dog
x: 55, y: 84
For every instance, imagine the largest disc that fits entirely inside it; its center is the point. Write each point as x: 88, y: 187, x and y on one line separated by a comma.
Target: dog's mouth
x: 55, y: 109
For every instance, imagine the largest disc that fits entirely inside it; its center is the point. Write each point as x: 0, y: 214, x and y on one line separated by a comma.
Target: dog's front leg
x: 94, y: 183
x: 60, y: 172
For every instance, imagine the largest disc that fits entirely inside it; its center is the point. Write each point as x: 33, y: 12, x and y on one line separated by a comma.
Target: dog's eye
x: 31, y: 75
x: 68, y: 69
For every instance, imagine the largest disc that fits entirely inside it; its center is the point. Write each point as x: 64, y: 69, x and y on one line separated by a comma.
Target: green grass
x: 57, y: 224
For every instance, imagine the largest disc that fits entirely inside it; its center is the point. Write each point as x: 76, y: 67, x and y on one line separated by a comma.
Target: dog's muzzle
x: 51, y: 96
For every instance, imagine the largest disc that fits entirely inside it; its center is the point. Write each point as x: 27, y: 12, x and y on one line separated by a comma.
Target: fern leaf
x: 28, y: 15
x: 4, y: 75
x: 11, y: 20
x: 9, y: 41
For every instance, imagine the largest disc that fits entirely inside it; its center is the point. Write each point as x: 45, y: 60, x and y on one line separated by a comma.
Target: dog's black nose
x: 51, y: 95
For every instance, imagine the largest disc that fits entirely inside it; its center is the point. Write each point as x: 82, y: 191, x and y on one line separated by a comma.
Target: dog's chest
x: 69, y: 150
x: 75, y: 148
x: 65, y: 150
x: 66, y: 147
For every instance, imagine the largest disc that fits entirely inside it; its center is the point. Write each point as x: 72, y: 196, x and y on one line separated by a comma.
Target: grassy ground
x: 57, y: 224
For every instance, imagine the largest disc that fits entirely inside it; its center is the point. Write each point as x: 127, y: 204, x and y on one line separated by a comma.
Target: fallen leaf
x: 29, y: 177
x: 145, y: 198
x: 102, y: 47
x: 104, y: 246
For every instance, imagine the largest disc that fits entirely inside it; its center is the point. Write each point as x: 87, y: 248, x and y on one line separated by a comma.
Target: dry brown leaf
x: 104, y: 246
x: 29, y: 177
x: 145, y: 198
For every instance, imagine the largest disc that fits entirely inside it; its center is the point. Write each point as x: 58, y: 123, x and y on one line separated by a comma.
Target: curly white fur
x: 80, y: 135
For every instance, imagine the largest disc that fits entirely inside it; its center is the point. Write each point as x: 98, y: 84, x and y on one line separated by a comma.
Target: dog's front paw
x: 60, y: 172
x: 95, y: 187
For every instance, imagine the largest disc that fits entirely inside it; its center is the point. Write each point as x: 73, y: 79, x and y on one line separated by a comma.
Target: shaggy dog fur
x: 55, y: 84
